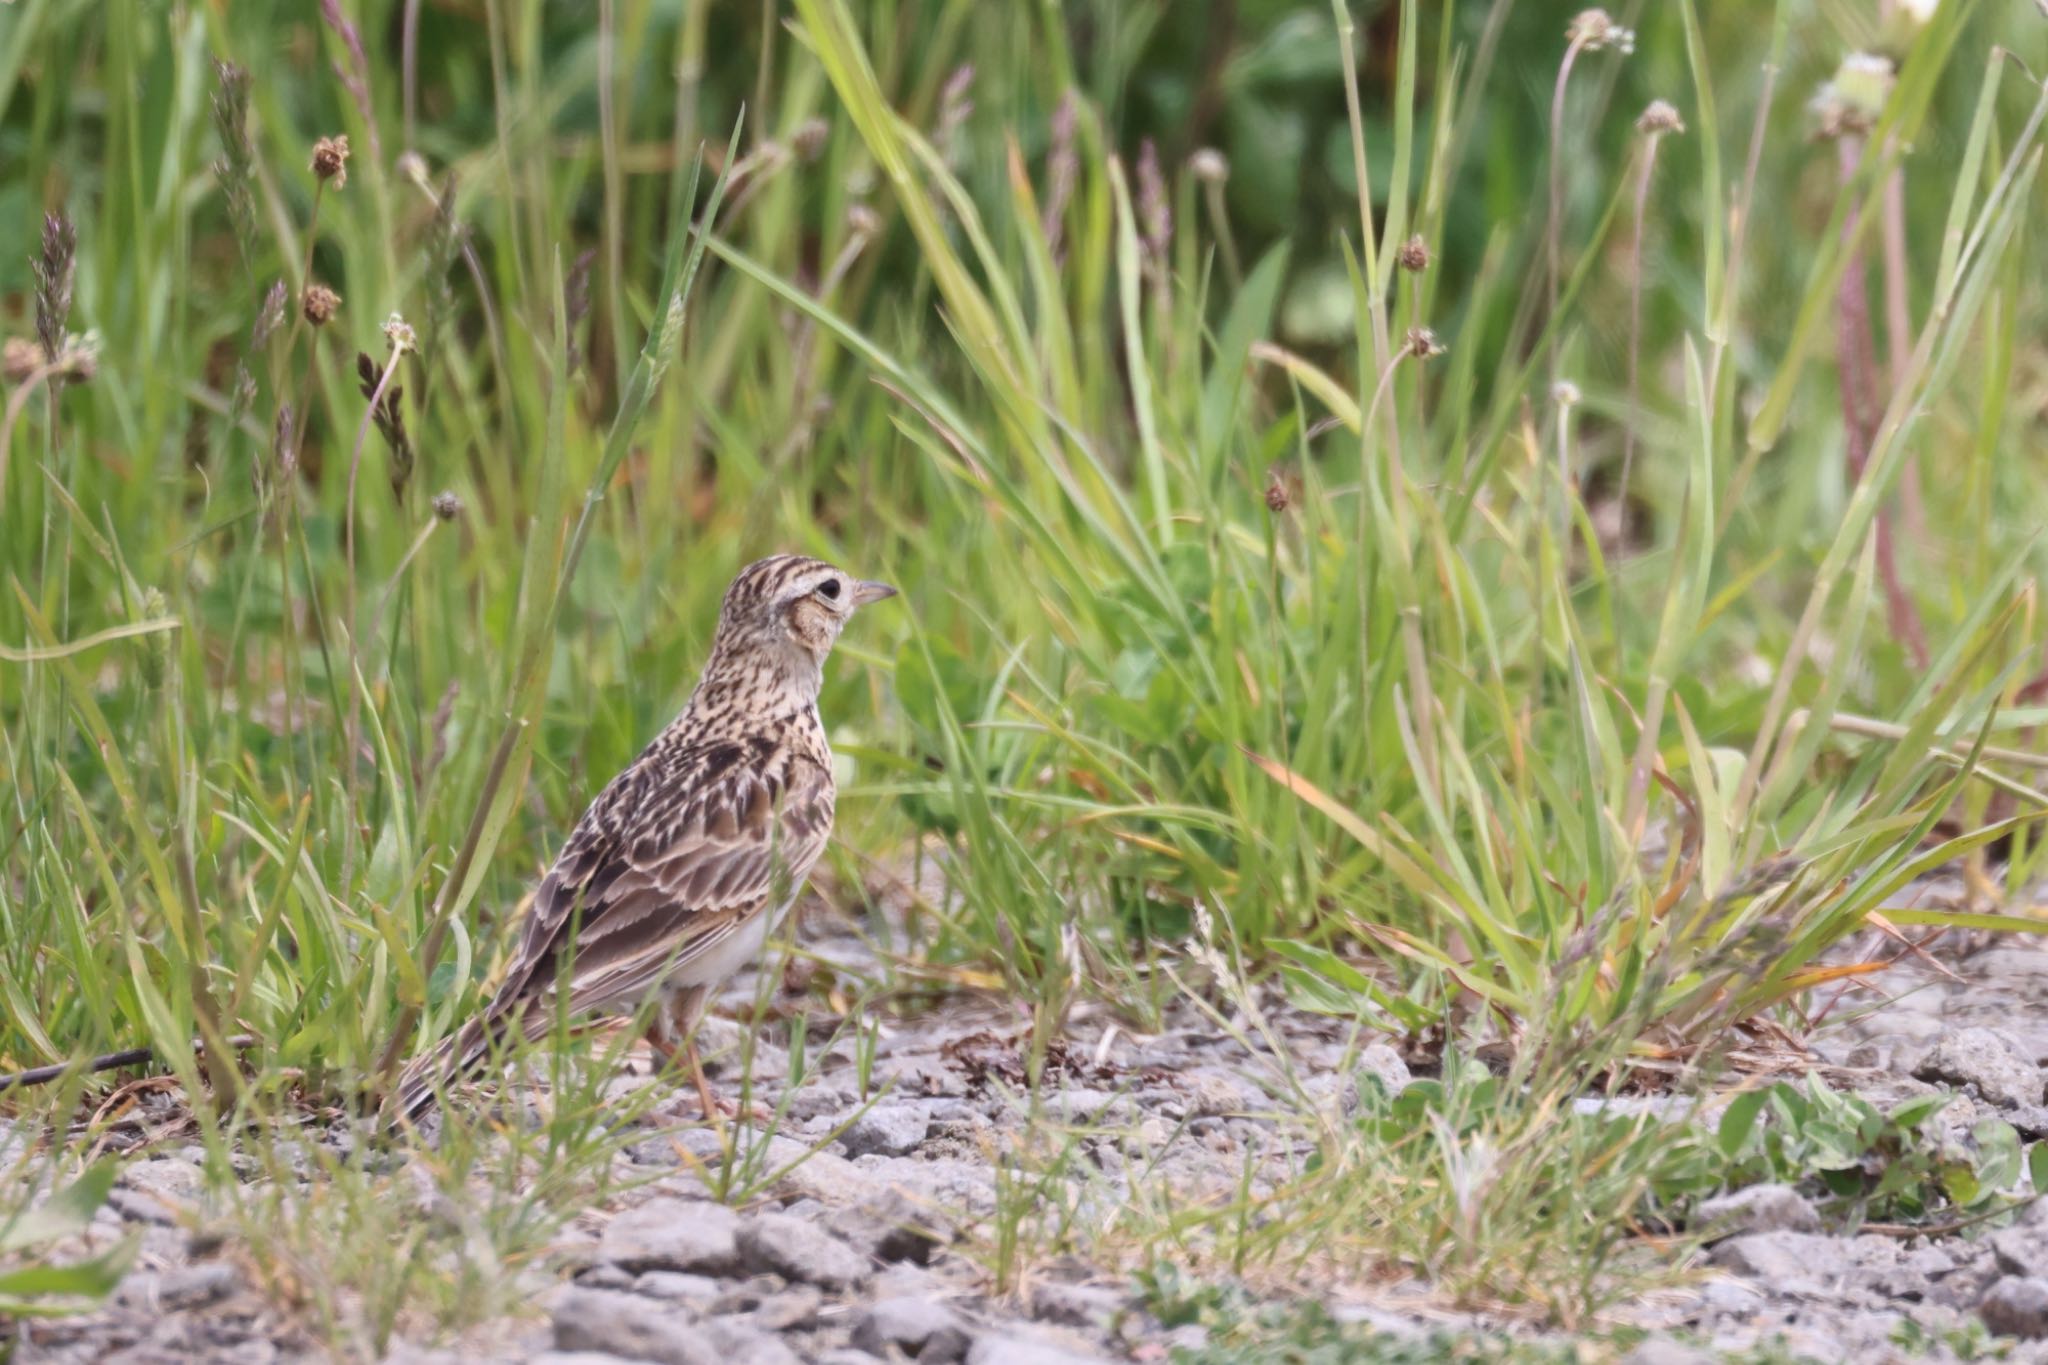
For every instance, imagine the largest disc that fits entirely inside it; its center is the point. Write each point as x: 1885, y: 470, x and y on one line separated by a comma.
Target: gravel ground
x: 873, y: 1244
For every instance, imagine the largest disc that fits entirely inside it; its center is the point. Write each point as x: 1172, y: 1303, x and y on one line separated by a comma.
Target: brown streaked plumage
x: 683, y: 865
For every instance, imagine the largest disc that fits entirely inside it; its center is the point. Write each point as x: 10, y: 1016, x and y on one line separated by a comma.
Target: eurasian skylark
x: 686, y: 862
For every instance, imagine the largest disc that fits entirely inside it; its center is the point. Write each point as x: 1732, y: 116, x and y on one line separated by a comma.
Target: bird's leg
x: 713, y: 1111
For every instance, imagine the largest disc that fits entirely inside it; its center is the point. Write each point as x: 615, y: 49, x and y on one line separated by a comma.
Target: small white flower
x: 399, y: 333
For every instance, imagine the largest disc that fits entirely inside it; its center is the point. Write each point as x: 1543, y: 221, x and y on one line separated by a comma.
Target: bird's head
x: 789, y: 605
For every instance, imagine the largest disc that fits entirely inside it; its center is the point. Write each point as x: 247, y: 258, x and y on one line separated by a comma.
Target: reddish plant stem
x: 1856, y: 356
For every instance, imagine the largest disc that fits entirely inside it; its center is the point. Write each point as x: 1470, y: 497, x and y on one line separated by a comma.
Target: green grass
x: 1225, y: 604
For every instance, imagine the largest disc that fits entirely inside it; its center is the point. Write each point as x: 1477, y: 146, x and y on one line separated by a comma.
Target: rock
x: 1000, y: 1349
x: 575, y: 1358
x: 1385, y: 1064
x: 819, y: 1101
x: 192, y: 1286
x: 888, y: 1130
x: 967, y: 1186
x: 602, y: 1276
x: 1076, y: 1305
x: 848, y: 1355
x: 691, y: 1236
x: 921, y: 1328
x: 1210, y: 1094
x: 1789, y: 1262
x: 1983, y: 1058
x: 607, y: 1321
x: 1665, y: 1351
x: 890, y: 1228
x: 2016, y: 1306
x: 161, y: 1191
x: 740, y: 1343
x: 799, y: 1251
x: 1760, y: 1208
x: 794, y: 1307
x: 2020, y: 1251
x: 697, y: 1291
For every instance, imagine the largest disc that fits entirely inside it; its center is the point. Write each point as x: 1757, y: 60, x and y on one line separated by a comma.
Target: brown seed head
x: 1414, y: 255
x: 1276, y: 496
x: 1594, y: 29
x: 330, y: 159
x: 809, y: 139
x: 447, y: 506
x: 19, y: 358
x: 319, y: 304
x: 1422, y: 343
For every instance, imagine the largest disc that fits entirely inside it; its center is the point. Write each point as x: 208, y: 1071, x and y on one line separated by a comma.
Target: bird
x: 686, y: 862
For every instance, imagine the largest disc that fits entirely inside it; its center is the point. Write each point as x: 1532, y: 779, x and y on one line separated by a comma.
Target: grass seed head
x: 447, y: 507
x: 330, y: 160
x: 270, y: 316
x: 319, y: 304
x: 156, y: 647
x: 54, y: 270
x: 1659, y: 118
x: 1414, y: 255
x: 19, y: 358
x: 1422, y: 343
x: 1595, y: 30
x: 1209, y: 166
x: 809, y: 139
x: 1852, y: 103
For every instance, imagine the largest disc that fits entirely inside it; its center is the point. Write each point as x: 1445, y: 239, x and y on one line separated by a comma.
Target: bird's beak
x: 864, y: 593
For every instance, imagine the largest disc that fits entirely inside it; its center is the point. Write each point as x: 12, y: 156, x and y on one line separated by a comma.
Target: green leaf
x: 1738, y: 1120
x: 64, y: 1213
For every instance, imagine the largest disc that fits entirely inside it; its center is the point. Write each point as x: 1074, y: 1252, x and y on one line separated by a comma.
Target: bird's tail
x: 460, y: 1055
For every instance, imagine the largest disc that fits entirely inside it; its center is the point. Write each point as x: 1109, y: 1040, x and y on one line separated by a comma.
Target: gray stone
x: 886, y: 1129
x: 1665, y: 1351
x: 793, y: 1307
x: 1983, y: 1058
x: 575, y: 1358
x: 847, y: 1355
x: 698, y: 1291
x: 1002, y: 1349
x: 819, y: 1101
x: 918, y: 1327
x: 1383, y: 1062
x: 673, y: 1234
x: 1211, y: 1094
x: 799, y: 1251
x: 890, y: 1228
x: 1760, y: 1208
x: 2016, y: 1306
x: 192, y: 1286
x: 607, y: 1321
x: 602, y: 1276
x: 1076, y: 1305
x: 740, y: 1343
x: 1789, y: 1262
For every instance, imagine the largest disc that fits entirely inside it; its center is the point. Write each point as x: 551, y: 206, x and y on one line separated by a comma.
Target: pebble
x: 691, y: 1236
x: 1986, y: 1059
x: 1760, y: 1208
x: 887, y: 1129
x: 1003, y: 1349
x: 799, y: 1251
x: 613, y: 1323
x: 2016, y: 1306
x: 928, y: 1331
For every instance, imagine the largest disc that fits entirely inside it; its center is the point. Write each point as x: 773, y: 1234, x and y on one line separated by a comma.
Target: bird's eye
x: 829, y: 589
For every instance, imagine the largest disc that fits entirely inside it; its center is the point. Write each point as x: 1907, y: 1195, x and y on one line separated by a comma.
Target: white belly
x: 738, y: 949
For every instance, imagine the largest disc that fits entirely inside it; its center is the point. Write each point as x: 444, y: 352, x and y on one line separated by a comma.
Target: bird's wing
x: 681, y: 850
